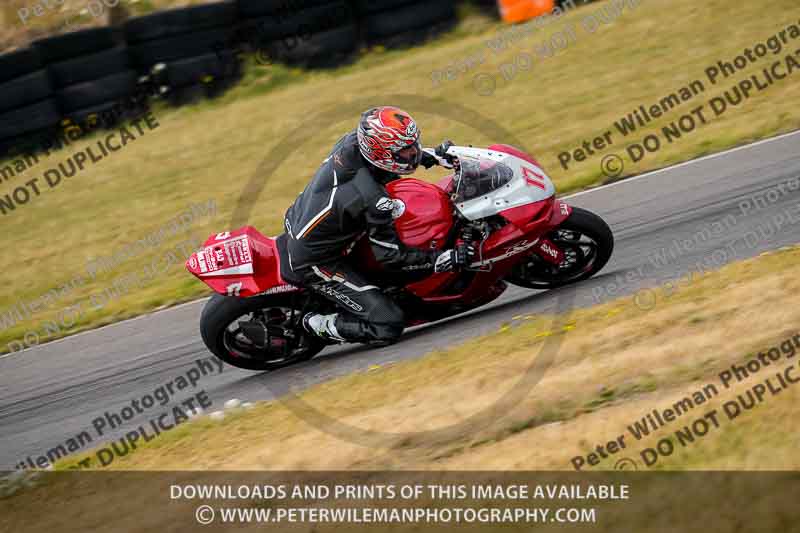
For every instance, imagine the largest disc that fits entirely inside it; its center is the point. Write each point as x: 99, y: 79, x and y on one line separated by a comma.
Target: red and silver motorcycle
x: 499, y: 199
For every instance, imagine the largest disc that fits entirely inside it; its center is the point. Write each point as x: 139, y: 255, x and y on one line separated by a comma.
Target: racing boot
x: 323, y: 326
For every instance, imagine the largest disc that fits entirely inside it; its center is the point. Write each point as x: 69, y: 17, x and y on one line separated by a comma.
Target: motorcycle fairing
x: 240, y: 263
x: 528, y: 225
x: 529, y: 185
x: 245, y: 263
x: 425, y: 213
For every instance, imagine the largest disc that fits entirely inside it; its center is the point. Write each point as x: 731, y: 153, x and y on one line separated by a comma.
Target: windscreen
x: 477, y: 177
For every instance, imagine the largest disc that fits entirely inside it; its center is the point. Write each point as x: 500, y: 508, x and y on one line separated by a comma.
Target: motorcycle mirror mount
x: 441, y: 160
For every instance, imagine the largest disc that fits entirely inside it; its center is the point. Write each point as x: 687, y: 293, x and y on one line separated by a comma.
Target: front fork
x: 478, y: 235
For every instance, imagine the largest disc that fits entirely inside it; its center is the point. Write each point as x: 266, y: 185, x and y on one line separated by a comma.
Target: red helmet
x: 389, y: 139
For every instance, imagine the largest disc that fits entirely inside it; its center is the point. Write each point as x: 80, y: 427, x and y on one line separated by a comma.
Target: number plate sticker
x: 231, y: 253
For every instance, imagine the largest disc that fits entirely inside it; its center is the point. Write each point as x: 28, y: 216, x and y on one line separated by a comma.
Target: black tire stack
x: 396, y: 23
x: 91, y: 74
x: 28, y: 112
x: 189, y: 50
x: 109, y: 72
x: 311, y: 33
x: 490, y: 7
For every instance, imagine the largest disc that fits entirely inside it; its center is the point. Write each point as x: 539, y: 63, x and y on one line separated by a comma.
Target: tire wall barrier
x: 80, y: 78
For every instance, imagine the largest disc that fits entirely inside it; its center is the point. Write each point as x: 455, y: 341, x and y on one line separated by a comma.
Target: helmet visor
x: 410, y: 155
x: 476, y: 178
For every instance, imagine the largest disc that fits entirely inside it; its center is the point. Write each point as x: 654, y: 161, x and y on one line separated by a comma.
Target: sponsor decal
x: 337, y: 159
x: 238, y: 251
x: 519, y: 248
x: 513, y: 250
x: 201, y: 258
x: 193, y: 261
x: 231, y: 253
x: 533, y: 178
x: 234, y: 289
x: 346, y: 300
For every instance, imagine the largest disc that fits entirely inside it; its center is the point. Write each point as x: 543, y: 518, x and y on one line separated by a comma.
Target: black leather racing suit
x: 345, y: 200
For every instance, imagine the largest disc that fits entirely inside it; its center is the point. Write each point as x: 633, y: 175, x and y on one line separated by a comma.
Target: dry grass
x: 615, y: 364
x: 214, y: 149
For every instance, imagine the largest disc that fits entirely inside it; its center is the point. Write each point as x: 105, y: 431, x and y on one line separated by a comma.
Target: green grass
x: 214, y: 149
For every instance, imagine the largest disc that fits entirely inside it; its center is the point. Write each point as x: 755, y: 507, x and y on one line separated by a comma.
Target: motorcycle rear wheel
x: 587, y: 242
x: 223, y: 324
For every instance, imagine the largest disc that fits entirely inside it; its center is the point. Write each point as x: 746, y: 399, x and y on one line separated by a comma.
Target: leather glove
x: 454, y: 259
x: 428, y: 160
x: 437, y: 156
x: 441, y: 150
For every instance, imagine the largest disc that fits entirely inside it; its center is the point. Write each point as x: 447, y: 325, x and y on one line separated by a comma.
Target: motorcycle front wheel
x: 587, y: 243
x: 259, y: 333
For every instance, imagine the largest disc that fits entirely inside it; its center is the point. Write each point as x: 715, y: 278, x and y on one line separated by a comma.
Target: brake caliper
x: 550, y: 252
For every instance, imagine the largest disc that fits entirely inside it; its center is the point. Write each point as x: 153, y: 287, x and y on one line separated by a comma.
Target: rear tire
x: 589, y: 252
x: 222, y: 312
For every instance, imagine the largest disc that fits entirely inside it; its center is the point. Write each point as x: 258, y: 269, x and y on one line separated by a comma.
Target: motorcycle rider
x: 345, y: 200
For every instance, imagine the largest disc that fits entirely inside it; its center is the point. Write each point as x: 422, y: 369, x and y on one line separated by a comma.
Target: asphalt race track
x: 51, y: 393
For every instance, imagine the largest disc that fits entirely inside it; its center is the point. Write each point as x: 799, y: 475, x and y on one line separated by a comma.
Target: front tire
x: 224, y: 322
x: 588, y: 244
